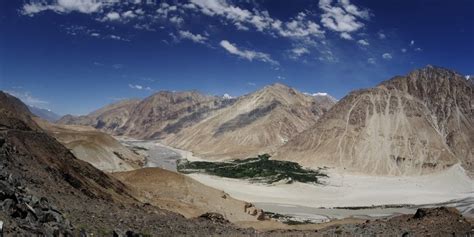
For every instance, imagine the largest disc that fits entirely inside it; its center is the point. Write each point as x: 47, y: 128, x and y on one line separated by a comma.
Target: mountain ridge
x: 256, y: 123
x: 399, y: 127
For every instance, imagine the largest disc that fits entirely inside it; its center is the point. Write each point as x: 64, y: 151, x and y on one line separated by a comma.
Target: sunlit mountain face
x: 74, y: 56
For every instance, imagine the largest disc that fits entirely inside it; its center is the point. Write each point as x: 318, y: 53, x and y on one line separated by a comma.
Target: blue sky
x: 74, y: 56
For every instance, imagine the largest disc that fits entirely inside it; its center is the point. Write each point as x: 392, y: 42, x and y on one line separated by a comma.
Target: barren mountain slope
x: 154, y: 117
x: 95, y: 147
x: 168, y: 112
x: 46, y: 191
x: 179, y: 193
x: 108, y: 119
x: 412, y: 124
x: 256, y: 123
x: 15, y: 114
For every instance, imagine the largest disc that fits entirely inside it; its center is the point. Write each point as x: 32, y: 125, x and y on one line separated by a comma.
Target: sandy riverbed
x: 352, y: 190
x: 317, y: 202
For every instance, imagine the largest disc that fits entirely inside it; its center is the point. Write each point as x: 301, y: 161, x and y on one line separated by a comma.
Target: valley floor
x: 321, y: 203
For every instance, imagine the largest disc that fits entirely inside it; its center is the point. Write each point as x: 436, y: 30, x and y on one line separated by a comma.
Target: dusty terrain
x: 95, y: 147
x: 349, y: 190
x: 311, y: 202
x: 179, y: 193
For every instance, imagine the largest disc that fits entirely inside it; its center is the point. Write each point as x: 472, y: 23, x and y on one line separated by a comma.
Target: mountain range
x: 259, y: 121
x: 45, y: 114
x: 154, y: 117
x: 409, y: 125
x: 256, y: 123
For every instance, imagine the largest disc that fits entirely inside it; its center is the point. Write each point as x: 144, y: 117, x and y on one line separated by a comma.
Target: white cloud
x: 342, y: 17
x: 139, y: 12
x: 387, y: 56
x: 129, y: 14
x: 412, y: 42
x: 354, y: 10
x: 28, y: 99
x: 298, y: 52
x: 363, y: 42
x: 404, y: 50
x: 418, y: 49
x: 381, y: 36
x: 112, y: 16
x: 247, y: 54
x: 241, y: 27
x: 346, y: 36
x: 371, y: 60
x: 251, y: 84
x: 116, y: 37
x: 297, y: 28
x: 194, y: 37
x: 139, y: 87
x: 189, y: 6
x: 281, y: 77
x: 65, y: 6
x: 165, y: 9
x: 177, y: 20
x: 328, y: 56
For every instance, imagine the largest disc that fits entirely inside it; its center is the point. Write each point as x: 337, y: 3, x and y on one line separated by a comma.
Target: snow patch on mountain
x: 227, y: 96
x: 321, y: 94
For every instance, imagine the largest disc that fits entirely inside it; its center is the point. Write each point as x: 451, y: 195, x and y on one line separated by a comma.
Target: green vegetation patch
x: 259, y: 169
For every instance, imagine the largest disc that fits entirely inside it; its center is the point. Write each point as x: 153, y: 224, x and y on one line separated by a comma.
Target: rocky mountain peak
x: 275, y: 88
x: 277, y: 92
x: 440, y: 89
x: 413, y: 124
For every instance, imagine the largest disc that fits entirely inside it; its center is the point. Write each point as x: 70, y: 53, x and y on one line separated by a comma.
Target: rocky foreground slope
x: 256, y: 123
x: 408, y: 125
x: 46, y: 190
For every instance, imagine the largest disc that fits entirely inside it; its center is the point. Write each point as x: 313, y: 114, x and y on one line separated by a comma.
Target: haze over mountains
x: 46, y: 114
